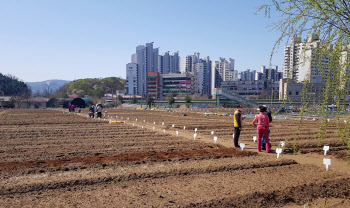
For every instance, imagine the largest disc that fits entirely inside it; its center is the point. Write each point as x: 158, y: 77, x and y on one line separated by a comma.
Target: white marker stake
x: 242, y: 145
x: 144, y: 121
x: 163, y: 124
x: 233, y: 135
x: 154, y: 122
x: 215, y: 139
x: 177, y: 133
x: 325, y: 148
x: 254, y: 138
x: 314, y: 119
x: 328, y: 119
x: 142, y: 127
x: 184, y: 127
x: 173, y: 125
x: 212, y: 132
x: 194, y: 135
x: 326, y: 162
x: 135, y: 119
x: 195, y: 130
x: 154, y: 128
x: 278, y: 151
x: 282, y: 143
x: 345, y: 121
x: 164, y: 131
x: 274, y: 117
x: 133, y: 124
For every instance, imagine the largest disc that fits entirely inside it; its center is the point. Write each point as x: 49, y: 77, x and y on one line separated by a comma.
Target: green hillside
x: 11, y: 86
x: 92, y: 87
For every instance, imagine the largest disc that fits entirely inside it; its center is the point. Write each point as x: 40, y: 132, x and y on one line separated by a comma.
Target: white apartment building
x: 201, y: 76
x: 301, y: 63
x: 221, y: 71
x: 131, y: 79
x: 187, y: 63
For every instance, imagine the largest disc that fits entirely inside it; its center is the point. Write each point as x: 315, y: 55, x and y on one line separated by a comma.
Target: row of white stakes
x: 326, y: 161
x: 278, y: 150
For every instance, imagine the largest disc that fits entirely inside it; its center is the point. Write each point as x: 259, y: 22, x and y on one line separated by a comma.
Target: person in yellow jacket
x: 237, y: 124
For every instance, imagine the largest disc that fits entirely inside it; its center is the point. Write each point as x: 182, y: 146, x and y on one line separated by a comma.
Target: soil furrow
x: 136, y: 176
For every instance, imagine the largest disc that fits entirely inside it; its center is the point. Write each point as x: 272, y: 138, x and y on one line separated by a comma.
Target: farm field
x: 49, y: 158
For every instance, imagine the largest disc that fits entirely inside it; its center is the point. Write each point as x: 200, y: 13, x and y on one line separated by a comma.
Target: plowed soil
x: 49, y: 158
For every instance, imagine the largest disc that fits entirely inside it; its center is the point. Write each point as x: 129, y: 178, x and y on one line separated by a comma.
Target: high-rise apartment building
x: 164, y: 63
x: 155, y: 60
x: 301, y: 62
x: 272, y: 74
x: 187, y: 63
x: 174, y: 63
x: 131, y: 79
x: 146, y: 60
x: 202, y: 76
x: 169, y: 63
x: 222, y: 70
x: 248, y: 75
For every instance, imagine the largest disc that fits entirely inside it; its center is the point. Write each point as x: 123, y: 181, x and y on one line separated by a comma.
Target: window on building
x: 290, y: 93
x: 297, y: 93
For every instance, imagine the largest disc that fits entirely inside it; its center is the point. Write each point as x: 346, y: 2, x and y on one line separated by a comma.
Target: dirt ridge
x: 337, y: 188
x: 131, y: 157
x: 135, y: 176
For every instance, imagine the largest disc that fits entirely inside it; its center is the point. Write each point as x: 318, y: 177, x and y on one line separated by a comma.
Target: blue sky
x: 41, y: 40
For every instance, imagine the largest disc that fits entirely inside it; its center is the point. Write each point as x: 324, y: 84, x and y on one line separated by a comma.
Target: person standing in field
x: 92, y: 111
x: 263, y: 125
x: 99, y: 111
x: 237, y: 124
x: 268, y: 113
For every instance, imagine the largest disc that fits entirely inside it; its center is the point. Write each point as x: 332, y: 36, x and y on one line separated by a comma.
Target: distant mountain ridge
x: 49, y: 86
